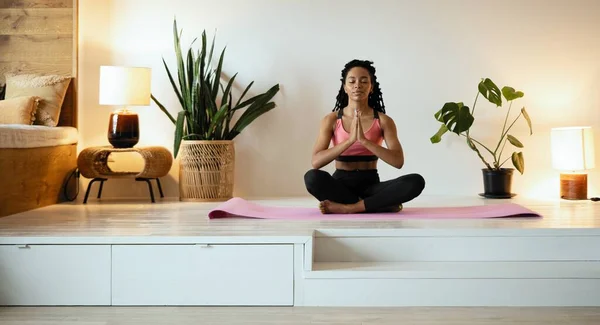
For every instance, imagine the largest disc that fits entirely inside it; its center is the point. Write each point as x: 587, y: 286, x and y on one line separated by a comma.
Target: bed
x: 37, y: 159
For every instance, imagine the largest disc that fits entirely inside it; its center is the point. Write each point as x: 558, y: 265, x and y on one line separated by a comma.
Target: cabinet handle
x: 23, y: 246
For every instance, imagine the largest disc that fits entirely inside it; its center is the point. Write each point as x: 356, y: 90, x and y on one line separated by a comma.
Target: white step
x: 456, y: 270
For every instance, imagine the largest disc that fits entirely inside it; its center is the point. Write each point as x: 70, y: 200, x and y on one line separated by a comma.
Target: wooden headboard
x: 40, y: 36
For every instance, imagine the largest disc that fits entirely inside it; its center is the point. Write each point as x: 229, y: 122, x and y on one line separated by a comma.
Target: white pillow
x: 18, y: 110
x: 51, y: 90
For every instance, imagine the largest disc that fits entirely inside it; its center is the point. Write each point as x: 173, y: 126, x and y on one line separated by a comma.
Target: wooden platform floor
x: 172, y: 218
x: 296, y: 316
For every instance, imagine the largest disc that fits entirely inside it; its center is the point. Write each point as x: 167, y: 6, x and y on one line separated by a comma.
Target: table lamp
x: 124, y: 86
x: 572, y: 154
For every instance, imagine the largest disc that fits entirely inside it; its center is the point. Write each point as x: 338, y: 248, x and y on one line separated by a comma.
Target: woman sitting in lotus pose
x: 357, y: 127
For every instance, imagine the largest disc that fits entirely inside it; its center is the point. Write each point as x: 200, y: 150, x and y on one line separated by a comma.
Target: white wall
x: 426, y: 53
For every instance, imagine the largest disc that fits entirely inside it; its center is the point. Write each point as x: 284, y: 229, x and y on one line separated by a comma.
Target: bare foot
x: 327, y: 207
x: 397, y: 208
x: 322, y: 207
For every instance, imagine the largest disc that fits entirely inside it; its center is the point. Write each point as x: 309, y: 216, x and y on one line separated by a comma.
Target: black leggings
x: 351, y: 186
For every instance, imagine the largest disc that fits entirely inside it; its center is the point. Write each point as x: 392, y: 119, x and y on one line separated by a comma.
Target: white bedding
x: 33, y: 136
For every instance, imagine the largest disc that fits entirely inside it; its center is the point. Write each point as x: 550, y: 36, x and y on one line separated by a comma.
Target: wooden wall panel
x: 40, y: 36
x: 20, y: 4
x: 41, y: 65
x: 37, y: 21
x: 36, y: 47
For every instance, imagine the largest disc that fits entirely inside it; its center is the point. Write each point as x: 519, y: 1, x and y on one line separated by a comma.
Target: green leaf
x: 456, y: 117
x: 526, y: 116
x: 518, y: 161
x: 438, y: 136
x: 178, y: 132
x: 190, y: 80
x: 203, y: 56
x: 439, y: 114
x: 245, y: 120
x: 206, y: 115
x: 260, y: 101
x: 514, y: 141
x: 215, y: 89
x: 218, y: 119
x: 510, y: 93
x: 190, y: 73
x: 212, y: 47
x: 211, y: 106
x: 258, y: 107
x: 247, y: 102
x: 490, y: 91
x: 173, y: 84
x: 227, y: 90
x: 180, y: 66
x: 243, y: 94
x: 162, y: 108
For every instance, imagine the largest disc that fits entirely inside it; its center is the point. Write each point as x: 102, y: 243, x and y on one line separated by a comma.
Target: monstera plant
x: 457, y: 118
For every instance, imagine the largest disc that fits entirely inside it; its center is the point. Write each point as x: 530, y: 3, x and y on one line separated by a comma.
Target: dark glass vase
x: 497, y: 183
x: 123, y: 129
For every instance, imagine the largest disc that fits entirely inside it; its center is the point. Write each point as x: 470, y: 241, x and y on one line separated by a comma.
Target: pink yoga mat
x: 240, y: 208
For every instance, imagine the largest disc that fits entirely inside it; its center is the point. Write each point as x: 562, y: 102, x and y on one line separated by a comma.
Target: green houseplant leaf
x: 438, y: 136
x: 510, y: 93
x: 526, y: 116
x: 207, y: 107
x: 518, y: 161
x: 178, y: 131
x: 456, y: 117
x: 514, y: 141
x: 260, y: 106
x: 490, y: 91
x: 163, y: 109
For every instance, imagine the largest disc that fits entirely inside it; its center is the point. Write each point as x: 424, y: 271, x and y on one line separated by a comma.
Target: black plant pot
x: 497, y: 183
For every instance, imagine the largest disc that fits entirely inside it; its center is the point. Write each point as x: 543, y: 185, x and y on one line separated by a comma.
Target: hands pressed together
x: 356, y: 132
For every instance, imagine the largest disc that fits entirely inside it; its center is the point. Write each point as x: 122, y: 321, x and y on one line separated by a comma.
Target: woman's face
x: 358, y: 84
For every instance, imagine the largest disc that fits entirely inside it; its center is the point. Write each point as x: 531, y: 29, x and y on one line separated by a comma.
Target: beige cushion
x: 50, y: 89
x: 19, y: 110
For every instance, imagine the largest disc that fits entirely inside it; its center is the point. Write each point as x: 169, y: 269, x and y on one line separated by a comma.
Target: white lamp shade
x: 572, y: 148
x: 128, y: 86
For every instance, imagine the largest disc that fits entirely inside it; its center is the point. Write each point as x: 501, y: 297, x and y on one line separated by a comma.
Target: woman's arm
x: 321, y: 154
x: 393, y: 154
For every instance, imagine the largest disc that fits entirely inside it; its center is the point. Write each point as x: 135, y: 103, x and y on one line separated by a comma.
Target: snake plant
x: 208, y: 107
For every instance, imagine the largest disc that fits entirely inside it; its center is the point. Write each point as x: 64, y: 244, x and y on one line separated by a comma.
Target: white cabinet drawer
x: 202, y: 275
x: 55, y: 275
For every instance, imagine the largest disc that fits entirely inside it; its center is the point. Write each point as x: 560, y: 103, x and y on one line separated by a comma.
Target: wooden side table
x: 93, y: 163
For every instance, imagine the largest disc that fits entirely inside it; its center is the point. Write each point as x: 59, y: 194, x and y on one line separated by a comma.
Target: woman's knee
x: 314, y: 177
x: 418, y: 182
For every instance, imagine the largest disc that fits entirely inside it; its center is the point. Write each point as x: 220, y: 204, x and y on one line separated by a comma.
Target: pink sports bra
x: 357, y: 152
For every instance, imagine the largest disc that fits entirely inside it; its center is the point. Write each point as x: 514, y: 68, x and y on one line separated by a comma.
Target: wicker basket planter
x: 206, y: 170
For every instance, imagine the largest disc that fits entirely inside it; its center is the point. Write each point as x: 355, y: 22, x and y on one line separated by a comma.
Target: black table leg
x: 147, y: 180
x: 100, y: 190
x: 89, y: 187
x: 159, y: 187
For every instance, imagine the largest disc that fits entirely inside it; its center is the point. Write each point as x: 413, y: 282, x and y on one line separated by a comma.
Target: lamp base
x: 573, y: 186
x: 123, y: 129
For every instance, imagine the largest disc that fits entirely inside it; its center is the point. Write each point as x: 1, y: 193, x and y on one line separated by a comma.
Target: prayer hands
x: 354, y: 128
x: 360, y: 134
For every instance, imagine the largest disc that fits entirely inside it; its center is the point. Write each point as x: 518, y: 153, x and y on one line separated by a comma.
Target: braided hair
x: 375, y: 98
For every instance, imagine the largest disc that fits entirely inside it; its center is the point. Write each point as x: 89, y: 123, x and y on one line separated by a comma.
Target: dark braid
x: 375, y: 99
